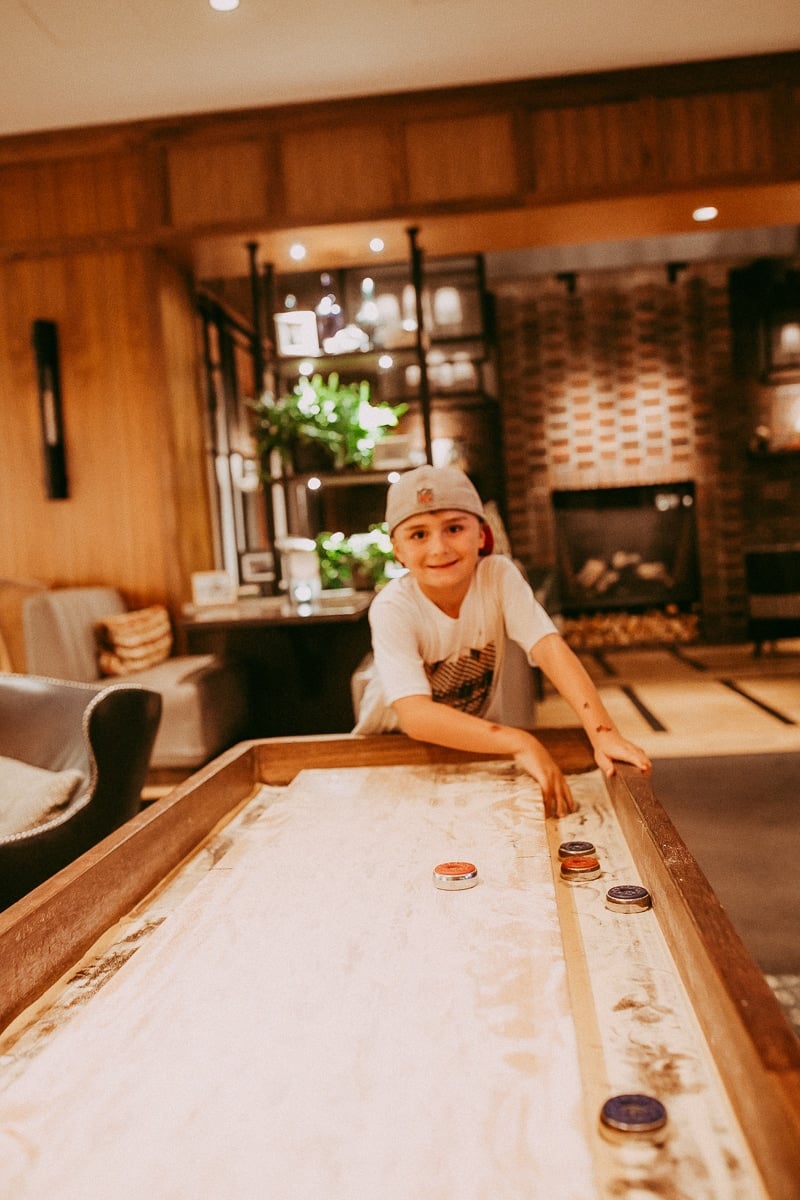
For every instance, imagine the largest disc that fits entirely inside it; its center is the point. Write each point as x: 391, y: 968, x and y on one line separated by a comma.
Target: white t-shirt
x: 420, y: 651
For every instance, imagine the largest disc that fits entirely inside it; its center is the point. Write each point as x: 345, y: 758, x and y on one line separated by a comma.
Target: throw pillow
x: 131, y: 641
x: 30, y: 796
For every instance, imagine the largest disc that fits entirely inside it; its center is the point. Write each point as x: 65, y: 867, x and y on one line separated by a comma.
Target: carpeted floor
x: 723, y: 729
x: 740, y: 817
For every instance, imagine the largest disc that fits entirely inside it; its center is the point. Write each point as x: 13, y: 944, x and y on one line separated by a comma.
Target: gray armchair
x: 205, y: 697
x: 73, y: 761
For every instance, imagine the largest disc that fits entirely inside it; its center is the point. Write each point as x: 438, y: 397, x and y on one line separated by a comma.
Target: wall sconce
x: 781, y: 345
x: 776, y: 295
x: 789, y: 339
x: 44, y: 336
x: 569, y: 280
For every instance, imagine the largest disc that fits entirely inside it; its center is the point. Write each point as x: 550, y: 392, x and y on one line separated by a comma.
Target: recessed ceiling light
x: 706, y: 213
x: 224, y: 5
x: 376, y: 245
x: 297, y: 251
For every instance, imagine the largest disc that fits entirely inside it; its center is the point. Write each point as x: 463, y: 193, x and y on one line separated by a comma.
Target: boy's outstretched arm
x: 566, y: 672
x: 424, y: 720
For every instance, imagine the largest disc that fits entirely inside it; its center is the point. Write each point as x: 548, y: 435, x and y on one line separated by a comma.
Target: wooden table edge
x: 758, y: 1055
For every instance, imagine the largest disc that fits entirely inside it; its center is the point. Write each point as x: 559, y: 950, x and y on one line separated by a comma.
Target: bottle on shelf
x: 368, y: 315
x: 330, y: 318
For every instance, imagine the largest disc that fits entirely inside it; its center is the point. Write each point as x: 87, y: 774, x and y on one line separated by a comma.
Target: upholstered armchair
x: 73, y: 762
x: 205, y: 697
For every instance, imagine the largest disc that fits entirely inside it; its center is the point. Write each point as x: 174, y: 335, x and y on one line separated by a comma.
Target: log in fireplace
x: 628, y: 549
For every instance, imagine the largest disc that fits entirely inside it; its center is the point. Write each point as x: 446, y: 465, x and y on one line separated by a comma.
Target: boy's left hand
x: 610, y: 745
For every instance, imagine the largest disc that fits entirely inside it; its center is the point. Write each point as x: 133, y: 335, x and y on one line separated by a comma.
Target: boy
x: 439, y: 637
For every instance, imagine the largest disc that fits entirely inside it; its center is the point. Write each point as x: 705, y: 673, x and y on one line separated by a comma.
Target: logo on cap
x: 425, y: 495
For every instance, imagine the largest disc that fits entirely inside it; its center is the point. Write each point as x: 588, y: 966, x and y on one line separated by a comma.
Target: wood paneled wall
x: 515, y: 144
x: 136, y: 515
x: 92, y: 223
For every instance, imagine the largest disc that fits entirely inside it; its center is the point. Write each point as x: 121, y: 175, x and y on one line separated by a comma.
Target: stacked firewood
x: 654, y: 627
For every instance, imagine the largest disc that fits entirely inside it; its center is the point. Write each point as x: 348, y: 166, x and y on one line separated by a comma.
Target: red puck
x: 580, y: 866
x: 455, y: 876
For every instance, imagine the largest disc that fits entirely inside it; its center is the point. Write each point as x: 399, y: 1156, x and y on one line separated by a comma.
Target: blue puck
x: 628, y: 898
x: 569, y: 849
x: 633, y: 1114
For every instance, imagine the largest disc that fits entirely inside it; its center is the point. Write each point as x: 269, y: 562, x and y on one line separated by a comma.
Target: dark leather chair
x: 104, y: 733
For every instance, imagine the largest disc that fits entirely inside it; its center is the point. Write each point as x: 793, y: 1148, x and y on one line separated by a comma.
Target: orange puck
x: 580, y: 866
x: 455, y: 876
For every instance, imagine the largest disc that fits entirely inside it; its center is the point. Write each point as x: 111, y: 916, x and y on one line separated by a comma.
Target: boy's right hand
x: 423, y: 718
x: 557, y: 797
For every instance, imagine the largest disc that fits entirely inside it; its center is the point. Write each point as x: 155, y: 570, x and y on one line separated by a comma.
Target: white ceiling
x: 84, y: 62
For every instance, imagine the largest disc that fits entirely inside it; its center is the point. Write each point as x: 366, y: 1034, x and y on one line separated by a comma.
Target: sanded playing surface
x: 315, y: 1018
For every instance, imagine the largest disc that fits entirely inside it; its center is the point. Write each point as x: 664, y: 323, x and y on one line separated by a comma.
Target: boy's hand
x: 557, y: 797
x: 609, y: 745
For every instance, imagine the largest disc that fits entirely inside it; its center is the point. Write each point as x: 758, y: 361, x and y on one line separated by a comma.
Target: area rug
x: 695, y: 701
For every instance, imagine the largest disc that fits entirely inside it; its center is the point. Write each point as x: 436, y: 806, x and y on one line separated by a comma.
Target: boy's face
x: 440, y: 549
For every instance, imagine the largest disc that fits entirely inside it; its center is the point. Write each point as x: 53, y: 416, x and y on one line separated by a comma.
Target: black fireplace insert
x: 627, y: 548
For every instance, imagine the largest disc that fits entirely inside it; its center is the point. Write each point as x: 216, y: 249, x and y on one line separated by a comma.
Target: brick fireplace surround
x: 628, y: 379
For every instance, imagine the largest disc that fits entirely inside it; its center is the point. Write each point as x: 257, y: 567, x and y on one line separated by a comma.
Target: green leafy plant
x: 362, y: 560
x: 325, y: 413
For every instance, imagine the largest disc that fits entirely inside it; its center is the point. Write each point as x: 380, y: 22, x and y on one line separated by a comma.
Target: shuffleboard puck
x: 628, y: 898
x: 580, y: 866
x: 632, y: 1115
x: 570, y: 849
x: 455, y: 876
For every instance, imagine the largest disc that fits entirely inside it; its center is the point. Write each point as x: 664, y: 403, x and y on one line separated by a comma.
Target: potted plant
x: 364, y: 561
x: 337, y: 417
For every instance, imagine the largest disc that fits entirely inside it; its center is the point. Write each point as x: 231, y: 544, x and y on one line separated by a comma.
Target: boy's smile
x: 441, y: 551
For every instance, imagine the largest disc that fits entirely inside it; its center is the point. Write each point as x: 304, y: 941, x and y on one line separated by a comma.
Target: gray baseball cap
x: 431, y: 489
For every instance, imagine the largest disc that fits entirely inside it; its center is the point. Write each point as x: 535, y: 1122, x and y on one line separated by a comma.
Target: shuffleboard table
x: 262, y: 986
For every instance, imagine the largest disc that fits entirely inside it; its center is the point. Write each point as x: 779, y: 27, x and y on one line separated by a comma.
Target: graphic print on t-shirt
x: 464, y: 682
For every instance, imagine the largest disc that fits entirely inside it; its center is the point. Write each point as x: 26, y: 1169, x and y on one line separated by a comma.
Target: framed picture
x: 297, y: 333
x: 258, y: 566
x: 213, y: 587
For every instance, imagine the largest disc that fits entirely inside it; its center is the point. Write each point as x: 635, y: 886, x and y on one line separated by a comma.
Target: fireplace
x: 628, y: 549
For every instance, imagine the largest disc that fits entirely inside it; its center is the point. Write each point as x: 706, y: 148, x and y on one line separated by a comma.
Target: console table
x: 299, y: 659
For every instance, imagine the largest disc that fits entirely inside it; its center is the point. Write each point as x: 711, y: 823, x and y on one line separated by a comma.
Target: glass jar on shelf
x: 330, y: 317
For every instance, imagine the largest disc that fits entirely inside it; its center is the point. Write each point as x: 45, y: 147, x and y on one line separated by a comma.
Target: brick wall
x: 627, y: 380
